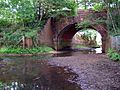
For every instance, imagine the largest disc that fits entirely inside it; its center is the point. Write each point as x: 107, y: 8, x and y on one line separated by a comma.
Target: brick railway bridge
x: 58, y: 34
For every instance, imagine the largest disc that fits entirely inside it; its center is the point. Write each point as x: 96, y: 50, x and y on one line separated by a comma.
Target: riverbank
x: 37, y: 54
x: 95, y: 71
x: 18, y: 51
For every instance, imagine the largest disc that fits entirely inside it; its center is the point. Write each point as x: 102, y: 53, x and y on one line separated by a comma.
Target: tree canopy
x: 26, y: 17
x: 112, y: 7
x: 29, y: 10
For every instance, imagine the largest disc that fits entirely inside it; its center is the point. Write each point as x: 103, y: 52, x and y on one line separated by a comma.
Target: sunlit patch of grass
x: 18, y: 50
x: 80, y: 46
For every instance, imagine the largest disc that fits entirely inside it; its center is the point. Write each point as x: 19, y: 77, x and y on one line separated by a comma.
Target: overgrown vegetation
x: 113, y: 13
x: 21, y: 20
x: 25, y: 18
x: 36, y: 50
x: 113, y: 55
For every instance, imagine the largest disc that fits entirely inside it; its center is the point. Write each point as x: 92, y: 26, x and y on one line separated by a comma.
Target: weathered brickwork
x: 59, y: 33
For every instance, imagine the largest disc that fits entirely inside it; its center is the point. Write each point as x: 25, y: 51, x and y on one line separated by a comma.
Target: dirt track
x: 96, y: 71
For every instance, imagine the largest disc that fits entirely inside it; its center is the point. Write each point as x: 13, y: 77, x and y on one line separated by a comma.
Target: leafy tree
x: 20, y: 18
x: 113, y: 9
x: 53, y: 8
x: 113, y: 15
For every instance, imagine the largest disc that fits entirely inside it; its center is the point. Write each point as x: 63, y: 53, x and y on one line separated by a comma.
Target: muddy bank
x: 95, y: 71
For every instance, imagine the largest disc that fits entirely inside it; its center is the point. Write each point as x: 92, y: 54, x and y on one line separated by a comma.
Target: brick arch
x: 58, y: 33
x: 64, y: 37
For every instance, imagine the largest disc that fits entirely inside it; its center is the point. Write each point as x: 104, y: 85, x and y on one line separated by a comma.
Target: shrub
x: 113, y: 55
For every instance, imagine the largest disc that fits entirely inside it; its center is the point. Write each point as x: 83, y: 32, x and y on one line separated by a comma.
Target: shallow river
x: 35, y: 73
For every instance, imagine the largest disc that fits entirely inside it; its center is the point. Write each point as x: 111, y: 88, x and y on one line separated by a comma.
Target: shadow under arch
x: 65, y: 36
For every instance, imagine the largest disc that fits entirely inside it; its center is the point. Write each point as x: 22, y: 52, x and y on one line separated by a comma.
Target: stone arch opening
x: 65, y: 36
x: 87, y: 39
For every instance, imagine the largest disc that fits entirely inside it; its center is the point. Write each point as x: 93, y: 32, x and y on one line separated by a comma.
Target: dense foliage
x: 24, y: 18
x: 20, y: 18
x: 113, y: 55
x: 113, y: 9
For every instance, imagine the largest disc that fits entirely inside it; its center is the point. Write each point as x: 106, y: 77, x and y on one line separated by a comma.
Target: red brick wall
x: 58, y: 32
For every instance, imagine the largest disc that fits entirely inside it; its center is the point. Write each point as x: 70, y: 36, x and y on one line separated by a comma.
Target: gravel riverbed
x: 95, y: 71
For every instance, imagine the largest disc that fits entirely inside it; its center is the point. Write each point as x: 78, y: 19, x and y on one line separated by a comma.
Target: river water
x: 34, y: 73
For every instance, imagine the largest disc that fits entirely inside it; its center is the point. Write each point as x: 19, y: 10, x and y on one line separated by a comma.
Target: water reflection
x: 34, y: 73
x: 77, y: 52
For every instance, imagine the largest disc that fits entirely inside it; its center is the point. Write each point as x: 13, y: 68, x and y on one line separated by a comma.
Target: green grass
x: 80, y: 46
x: 36, y: 50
